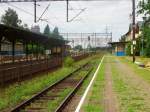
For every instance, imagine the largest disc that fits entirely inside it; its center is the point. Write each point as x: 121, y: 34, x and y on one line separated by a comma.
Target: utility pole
x: 35, y: 11
x: 133, y: 28
x: 67, y: 10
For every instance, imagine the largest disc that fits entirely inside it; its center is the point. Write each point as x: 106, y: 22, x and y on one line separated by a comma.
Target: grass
x: 62, y: 94
x: 129, y: 97
x: 96, y: 94
x: 16, y: 93
x: 139, y: 59
x: 144, y: 73
x: 52, y: 105
x: 95, y: 63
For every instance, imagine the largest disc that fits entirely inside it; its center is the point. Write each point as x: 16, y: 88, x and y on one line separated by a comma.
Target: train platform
x: 119, y: 86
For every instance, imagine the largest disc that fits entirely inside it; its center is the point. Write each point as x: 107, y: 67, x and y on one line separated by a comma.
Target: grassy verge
x: 95, y: 63
x: 130, y: 98
x: 94, y: 101
x: 139, y: 59
x: 144, y: 73
x: 16, y: 93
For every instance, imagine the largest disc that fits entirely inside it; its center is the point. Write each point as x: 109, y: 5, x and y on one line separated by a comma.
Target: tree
x: 10, y: 18
x: 78, y: 47
x: 144, y: 9
x: 24, y: 27
x: 122, y: 39
x: 47, y: 30
x: 128, y: 49
x: 56, y: 33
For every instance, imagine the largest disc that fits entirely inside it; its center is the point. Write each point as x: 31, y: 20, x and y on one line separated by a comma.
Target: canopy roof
x: 118, y: 43
x: 21, y: 35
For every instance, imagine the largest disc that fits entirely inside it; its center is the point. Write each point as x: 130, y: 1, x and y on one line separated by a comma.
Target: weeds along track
x: 55, y: 97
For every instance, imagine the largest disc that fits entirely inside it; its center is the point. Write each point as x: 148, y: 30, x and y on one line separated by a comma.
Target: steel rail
x: 72, y: 93
x: 33, y: 98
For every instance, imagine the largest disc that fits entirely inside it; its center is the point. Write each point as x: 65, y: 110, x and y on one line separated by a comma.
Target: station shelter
x: 21, y: 42
x: 118, y: 48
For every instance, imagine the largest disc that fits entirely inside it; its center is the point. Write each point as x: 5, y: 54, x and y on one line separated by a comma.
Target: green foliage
x: 47, y: 30
x: 68, y: 61
x: 122, y: 39
x: 52, y: 105
x: 144, y: 9
x: 140, y: 72
x: 131, y: 98
x: 56, y: 34
x: 10, y: 18
x: 16, y: 93
x: 78, y: 47
x: 138, y: 47
x: 128, y: 49
x: 55, y: 31
x: 94, y: 103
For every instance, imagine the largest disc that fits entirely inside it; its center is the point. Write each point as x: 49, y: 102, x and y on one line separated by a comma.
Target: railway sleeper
x: 35, y: 110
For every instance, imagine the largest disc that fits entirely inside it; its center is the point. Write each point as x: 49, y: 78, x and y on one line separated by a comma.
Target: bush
x: 68, y: 61
x: 128, y: 49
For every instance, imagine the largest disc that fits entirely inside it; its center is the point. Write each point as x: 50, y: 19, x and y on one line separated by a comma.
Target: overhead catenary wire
x: 49, y: 19
x: 44, y: 12
x: 29, y: 13
x: 6, y: 1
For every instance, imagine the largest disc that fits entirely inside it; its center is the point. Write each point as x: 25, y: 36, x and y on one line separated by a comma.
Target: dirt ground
x: 137, y: 89
x: 110, y: 101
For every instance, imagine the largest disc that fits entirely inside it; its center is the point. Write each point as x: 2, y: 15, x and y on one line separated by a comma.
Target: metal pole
x: 133, y: 28
x: 35, y: 11
x: 142, y: 46
x: 67, y: 10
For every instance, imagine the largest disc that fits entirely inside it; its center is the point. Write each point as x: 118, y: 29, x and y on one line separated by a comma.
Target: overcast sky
x: 98, y: 15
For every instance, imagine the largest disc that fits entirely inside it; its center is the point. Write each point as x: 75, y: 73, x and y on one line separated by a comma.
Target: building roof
x: 138, y: 27
x: 13, y: 34
x: 115, y: 43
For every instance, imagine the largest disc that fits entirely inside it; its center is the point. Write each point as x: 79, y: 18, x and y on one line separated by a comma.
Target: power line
x: 44, y: 12
x: 20, y: 9
x: 29, y: 13
x: 4, y: 1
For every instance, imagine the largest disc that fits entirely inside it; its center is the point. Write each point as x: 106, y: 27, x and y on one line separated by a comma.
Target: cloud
x: 96, y: 17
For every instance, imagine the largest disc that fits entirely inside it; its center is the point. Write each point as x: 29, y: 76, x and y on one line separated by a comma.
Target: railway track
x: 55, y: 97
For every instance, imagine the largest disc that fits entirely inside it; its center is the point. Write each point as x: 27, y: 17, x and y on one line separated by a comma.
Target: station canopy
x: 25, y: 36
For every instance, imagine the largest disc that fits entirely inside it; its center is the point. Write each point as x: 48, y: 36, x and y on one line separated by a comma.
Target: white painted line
x: 88, y: 88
